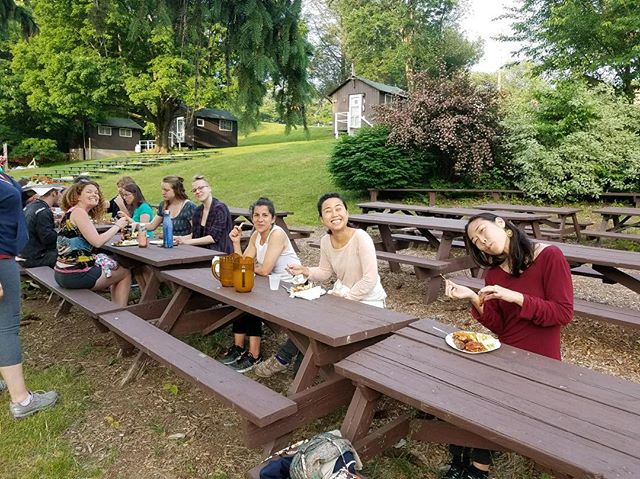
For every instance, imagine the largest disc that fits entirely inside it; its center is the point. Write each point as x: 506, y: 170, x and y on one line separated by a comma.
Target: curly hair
x: 72, y: 195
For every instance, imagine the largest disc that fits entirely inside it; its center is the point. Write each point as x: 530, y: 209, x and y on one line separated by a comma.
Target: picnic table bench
x: 568, y: 419
x: 86, y: 300
x: 253, y: 401
x: 634, y: 197
x: 559, y: 228
x: 432, y: 192
x: 622, y: 219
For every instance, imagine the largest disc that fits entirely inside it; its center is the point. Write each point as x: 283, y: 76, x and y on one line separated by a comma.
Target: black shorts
x: 82, y: 280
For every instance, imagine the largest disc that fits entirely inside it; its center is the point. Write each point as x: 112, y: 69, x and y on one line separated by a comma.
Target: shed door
x: 355, y: 111
x: 180, y: 129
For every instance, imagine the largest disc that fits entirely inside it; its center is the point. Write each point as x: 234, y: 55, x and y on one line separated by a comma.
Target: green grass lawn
x: 289, y: 169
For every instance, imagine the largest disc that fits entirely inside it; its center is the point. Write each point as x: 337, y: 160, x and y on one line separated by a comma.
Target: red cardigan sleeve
x: 492, y: 317
x: 556, y: 308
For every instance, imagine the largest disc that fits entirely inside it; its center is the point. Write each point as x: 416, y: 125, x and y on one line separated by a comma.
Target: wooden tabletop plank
x: 612, y: 210
x: 331, y: 320
x: 586, y: 417
x: 428, y: 222
x: 458, y: 212
x: 559, y: 374
x: 529, y: 208
x: 599, y: 256
x: 159, y: 257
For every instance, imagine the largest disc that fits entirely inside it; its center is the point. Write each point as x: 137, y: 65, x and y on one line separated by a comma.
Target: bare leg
x: 14, y: 378
x: 238, y: 340
x: 120, y: 284
x: 254, y: 346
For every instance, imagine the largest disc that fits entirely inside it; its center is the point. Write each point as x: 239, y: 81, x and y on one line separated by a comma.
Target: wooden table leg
x: 389, y: 245
x: 618, y: 276
x: 151, y: 289
x: 576, y: 226
x: 360, y: 413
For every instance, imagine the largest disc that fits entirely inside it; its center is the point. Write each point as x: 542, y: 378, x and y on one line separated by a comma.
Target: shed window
x: 388, y: 98
x: 104, y: 130
x: 200, y: 121
x: 125, y: 132
x: 225, y: 125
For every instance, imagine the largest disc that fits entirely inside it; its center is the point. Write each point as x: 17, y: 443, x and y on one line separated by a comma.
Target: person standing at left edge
x: 13, y: 237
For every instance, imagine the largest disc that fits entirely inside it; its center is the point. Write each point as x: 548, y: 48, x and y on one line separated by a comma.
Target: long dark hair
x: 177, y: 185
x: 521, y: 248
x: 138, y: 197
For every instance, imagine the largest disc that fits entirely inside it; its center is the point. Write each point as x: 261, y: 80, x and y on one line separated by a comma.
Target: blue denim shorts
x: 10, y: 348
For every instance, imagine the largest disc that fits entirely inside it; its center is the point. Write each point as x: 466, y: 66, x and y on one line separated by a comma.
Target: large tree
x: 392, y: 40
x: 598, y: 40
x: 9, y: 11
x: 148, y: 57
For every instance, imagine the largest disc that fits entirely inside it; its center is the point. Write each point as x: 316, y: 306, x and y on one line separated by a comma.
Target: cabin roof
x: 394, y: 90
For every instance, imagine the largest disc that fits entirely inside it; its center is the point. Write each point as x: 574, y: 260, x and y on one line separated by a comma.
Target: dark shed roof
x: 394, y: 90
x: 215, y: 114
x: 120, y: 123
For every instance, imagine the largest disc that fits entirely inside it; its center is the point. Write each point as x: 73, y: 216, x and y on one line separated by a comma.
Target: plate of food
x: 126, y: 242
x: 157, y: 242
x: 472, y: 343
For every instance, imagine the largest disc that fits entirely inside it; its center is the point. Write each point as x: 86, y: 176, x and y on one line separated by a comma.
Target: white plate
x: 156, y: 242
x: 487, y: 340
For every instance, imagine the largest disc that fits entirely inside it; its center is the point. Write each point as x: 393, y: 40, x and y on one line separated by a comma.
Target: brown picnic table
x: 292, y: 233
x: 610, y: 263
x: 326, y: 330
x: 157, y: 258
x: 532, y: 220
x: 568, y: 419
x: 621, y: 220
x: 559, y: 227
x: 440, y: 232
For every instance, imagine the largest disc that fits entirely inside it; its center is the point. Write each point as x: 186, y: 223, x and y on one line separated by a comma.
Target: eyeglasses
x: 198, y: 189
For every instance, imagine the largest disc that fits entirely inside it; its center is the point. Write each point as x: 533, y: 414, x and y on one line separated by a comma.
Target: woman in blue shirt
x: 13, y: 237
x: 137, y: 207
x: 176, y: 201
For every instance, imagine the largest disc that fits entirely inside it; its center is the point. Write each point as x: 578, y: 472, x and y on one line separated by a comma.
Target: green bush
x: 43, y: 150
x: 366, y: 161
x: 573, y: 142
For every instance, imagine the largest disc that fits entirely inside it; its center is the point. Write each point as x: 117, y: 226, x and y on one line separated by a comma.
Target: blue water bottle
x: 167, y: 231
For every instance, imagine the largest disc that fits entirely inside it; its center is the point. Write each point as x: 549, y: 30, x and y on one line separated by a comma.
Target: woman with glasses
x: 211, y: 223
x: 174, y: 200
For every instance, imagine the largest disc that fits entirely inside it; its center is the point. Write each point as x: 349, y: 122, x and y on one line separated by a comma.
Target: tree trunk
x: 166, y: 110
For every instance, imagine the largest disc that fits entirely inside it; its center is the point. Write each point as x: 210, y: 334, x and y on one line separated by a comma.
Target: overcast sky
x: 480, y: 22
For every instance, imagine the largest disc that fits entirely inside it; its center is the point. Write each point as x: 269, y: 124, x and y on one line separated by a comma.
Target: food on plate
x: 296, y: 288
x: 126, y: 242
x: 473, y: 342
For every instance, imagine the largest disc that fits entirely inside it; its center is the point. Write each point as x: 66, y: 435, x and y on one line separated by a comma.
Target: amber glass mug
x: 222, y: 268
x: 243, y: 274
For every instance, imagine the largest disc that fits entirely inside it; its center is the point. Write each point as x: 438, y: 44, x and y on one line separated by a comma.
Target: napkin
x: 311, y: 293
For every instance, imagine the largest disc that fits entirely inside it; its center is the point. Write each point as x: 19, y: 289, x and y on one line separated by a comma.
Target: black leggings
x: 464, y: 455
x: 248, y: 324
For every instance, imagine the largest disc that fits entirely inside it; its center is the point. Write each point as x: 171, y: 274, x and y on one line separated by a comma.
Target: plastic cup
x: 274, y: 282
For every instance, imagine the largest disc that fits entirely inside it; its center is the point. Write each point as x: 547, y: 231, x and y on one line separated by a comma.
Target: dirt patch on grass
x: 163, y: 427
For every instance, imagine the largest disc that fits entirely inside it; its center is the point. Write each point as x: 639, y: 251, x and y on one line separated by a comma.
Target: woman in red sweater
x: 526, y: 301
